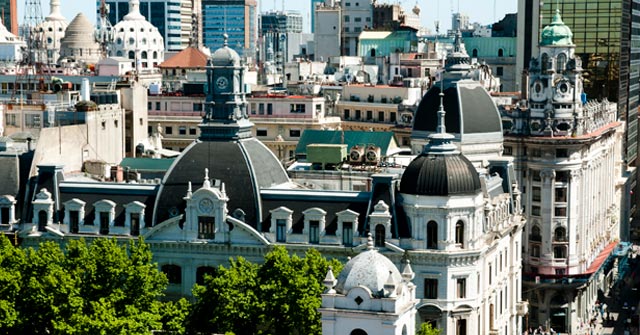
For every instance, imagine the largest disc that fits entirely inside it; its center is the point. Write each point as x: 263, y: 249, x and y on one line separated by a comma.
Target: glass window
x: 104, y: 223
x: 314, y: 232
x: 281, y: 230
x: 206, y: 227
x: 347, y: 234
x: 461, y: 288
x: 535, y: 194
x: 379, y: 238
x: 173, y: 273
x: 430, y: 288
x: 182, y: 130
x: 460, y: 233
x: 432, y: 235
x: 294, y: 133
x: 261, y: 132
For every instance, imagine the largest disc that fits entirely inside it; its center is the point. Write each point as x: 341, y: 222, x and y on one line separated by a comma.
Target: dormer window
x: 74, y: 215
x: 104, y: 215
x: 7, y: 210
x: 134, y: 217
x: 281, y: 222
x: 314, y: 223
x: 347, y: 226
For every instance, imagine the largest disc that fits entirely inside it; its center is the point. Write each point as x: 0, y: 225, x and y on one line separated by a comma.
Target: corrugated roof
x: 188, y: 58
x: 382, y: 139
x: 147, y: 164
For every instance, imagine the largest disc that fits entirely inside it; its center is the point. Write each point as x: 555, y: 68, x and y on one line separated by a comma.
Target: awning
x: 604, y: 254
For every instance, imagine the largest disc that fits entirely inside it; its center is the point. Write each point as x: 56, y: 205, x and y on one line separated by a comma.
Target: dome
x: 137, y: 39
x: 79, y: 42
x: 7, y: 37
x: 245, y: 166
x: 51, y: 31
x: 440, y: 175
x: 556, y: 33
x: 369, y: 269
x: 225, y: 56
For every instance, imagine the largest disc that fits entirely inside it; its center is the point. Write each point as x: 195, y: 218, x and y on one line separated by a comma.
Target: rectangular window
x: 560, y: 211
x: 392, y: 117
x: 347, y: 234
x: 461, y: 286
x: 261, y: 109
x: 182, y: 130
x: 535, y: 194
x: 499, y: 71
x: 346, y: 114
x: 508, y: 150
x: 562, y: 176
x: 294, y: 133
x: 430, y: 288
x: 535, y: 210
x: 197, y: 107
x: 104, y: 223
x: 490, y: 274
x: 562, y: 153
x: 535, y: 250
x: 261, y: 132
x: 74, y: 221
x: 381, y: 116
x: 192, y: 130
x: 206, y: 227
x: 561, y: 194
x: 253, y: 109
x: 314, y: 232
x: 149, y: 105
x: 535, y: 175
x: 318, y: 109
x: 298, y: 108
x: 269, y: 109
x: 168, y: 130
x: 135, y: 224
x: 281, y: 230
x: 369, y: 115
x: 358, y: 114
x: 157, y: 105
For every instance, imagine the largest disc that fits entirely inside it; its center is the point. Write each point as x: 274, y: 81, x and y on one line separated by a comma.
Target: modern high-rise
x: 238, y: 19
x: 283, y: 22
x: 9, y: 15
x: 314, y: 3
x: 172, y: 18
x: 608, y: 47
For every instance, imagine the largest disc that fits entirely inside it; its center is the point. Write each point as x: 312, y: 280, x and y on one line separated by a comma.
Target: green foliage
x: 427, y: 329
x: 101, y: 288
x: 281, y: 296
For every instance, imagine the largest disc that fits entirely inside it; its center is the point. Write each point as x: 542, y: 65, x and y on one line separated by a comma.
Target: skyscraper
x: 172, y: 18
x: 236, y: 18
x: 604, y: 39
x: 313, y: 12
x: 9, y: 15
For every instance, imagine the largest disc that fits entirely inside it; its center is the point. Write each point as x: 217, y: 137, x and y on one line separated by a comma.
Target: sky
x: 481, y: 11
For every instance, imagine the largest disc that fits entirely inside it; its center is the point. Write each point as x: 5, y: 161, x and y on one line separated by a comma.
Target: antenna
x: 104, y: 30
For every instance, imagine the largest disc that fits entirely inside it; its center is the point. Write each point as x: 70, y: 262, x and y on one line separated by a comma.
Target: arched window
x: 173, y: 273
x: 118, y: 53
x: 132, y: 55
x: 544, y: 62
x: 474, y: 53
x: 460, y: 233
x: 358, y: 331
x: 561, y: 62
x: 379, y: 239
x: 373, y: 52
x: 155, y: 54
x: 560, y: 234
x: 203, y: 271
x: 500, y: 52
x: 535, y: 234
x: 144, y: 55
x: 42, y: 220
x: 432, y: 235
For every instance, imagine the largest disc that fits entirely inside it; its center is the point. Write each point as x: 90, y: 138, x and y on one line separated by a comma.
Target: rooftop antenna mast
x: 104, y: 30
x: 32, y: 57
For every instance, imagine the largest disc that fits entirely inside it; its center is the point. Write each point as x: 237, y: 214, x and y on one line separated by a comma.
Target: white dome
x: 137, y: 38
x: 369, y: 269
x: 79, y: 43
x: 7, y: 37
x: 51, y: 31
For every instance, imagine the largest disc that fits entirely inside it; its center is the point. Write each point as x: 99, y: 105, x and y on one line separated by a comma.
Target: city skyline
x: 441, y: 10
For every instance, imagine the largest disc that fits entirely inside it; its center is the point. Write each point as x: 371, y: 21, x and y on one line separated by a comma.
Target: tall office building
x: 606, y: 44
x: 172, y: 18
x: 283, y: 22
x: 314, y: 3
x: 9, y: 15
x: 236, y: 18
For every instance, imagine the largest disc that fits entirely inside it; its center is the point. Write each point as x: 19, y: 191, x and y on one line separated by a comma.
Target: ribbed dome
x: 369, y: 269
x: 79, y: 42
x: 440, y: 175
x: 225, y: 56
x: 556, y: 33
x: 137, y: 39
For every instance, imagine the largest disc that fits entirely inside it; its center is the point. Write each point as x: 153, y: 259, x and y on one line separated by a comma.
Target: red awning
x: 604, y: 254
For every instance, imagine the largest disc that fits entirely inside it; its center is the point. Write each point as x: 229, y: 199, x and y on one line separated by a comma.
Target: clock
x: 563, y: 88
x: 205, y: 206
x: 222, y: 83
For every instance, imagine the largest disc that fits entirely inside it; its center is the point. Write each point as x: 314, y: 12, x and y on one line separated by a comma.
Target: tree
x: 427, y: 329
x: 11, y: 263
x: 281, y: 296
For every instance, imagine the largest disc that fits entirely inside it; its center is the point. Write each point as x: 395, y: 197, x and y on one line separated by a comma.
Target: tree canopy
x: 427, y: 329
x: 281, y: 296
x: 98, y: 288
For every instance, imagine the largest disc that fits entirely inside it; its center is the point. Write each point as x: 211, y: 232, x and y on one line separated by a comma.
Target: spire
x: 226, y: 40
x: 207, y: 183
x: 330, y: 282
x: 55, y: 13
x: 134, y: 11
x: 189, y: 192
x: 440, y: 141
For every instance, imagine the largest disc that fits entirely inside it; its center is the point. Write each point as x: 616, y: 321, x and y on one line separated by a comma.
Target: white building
x: 569, y: 160
x: 49, y: 33
x: 78, y: 44
x: 328, y: 30
x: 356, y: 17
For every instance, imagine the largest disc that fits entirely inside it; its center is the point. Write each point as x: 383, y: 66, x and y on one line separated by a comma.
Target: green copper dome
x: 557, y: 33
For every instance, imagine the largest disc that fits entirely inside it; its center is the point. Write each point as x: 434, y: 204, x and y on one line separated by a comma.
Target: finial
x: 390, y: 286
x: 407, y: 272
x: 369, y: 242
x: 189, y: 192
x: 330, y: 281
x: 206, y: 183
x: 441, y: 129
x: 226, y: 39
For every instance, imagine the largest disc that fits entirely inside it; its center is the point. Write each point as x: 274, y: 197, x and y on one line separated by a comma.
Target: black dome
x: 437, y: 174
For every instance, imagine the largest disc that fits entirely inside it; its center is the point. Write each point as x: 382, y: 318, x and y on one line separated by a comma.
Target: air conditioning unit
x: 372, y: 155
x: 356, y: 155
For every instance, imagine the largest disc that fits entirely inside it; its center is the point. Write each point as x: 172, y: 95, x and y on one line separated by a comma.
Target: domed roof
x: 134, y: 35
x: 52, y: 29
x: 369, y: 269
x: 80, y: 36
x: 556, y: 33
x: 440, y: 175
x: 7, y: 37
x: 225, y: 56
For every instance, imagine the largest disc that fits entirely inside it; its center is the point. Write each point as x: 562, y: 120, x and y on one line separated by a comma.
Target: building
x: 603, y: 35
x: 138, y: 40
x: 49, y: 33
x: 173, y: 19
x: 314, y: 3
x: 282, y: 22
x: 79, y: 44
x: 9, y: 9
x: 236, y: 18
x: 226, y: 194
x: 10, y: 47
x: 357, y: 16
x: 567, y: 150
x: 393, y: 16
x: 499, y: 53
x: 328, y: 30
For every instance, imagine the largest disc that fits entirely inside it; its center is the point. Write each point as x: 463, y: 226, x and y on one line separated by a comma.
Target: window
x: 461, y: 327
x: 261, y: 109
x: 560, y: 272
x: 392, y: 117
x: 294, y: 133
x: 182, y: 130
x: 346, y: 114
x: 535, y: 210
x: 4, y: 215
x: 135, y: 224
x: 261, y: 132
x: 253, y: 109
x: 104, y: 223
x: 42, y: 220
x: 562, y: 176
x: 269, y: 109
x: 206, y: 227
x: 369, y: 115
x: 202, y: 272
x: 460, y: 233
x: 168, y: 130
x: 561, y: 194
x: 560, y: 234
x: 297, y: 108
x: 281, y: 230
x: 357, y: 19
x: 197, y: 107
x: 430, y: 288
x: 74, y: 221
x: 535, y: 234
x: 157, y: 105
x: 490, y: 274
x: 560, y: 211
x: 499, y: 71
x: 347, y: 234
x: 381, y: 116
x: 346, y: 18
x: 500, y: 52
x: 535, y: 194
x: 561, y: 62
x: 559, y: 252
x: 173, y: 273
x: 432, y: 235
x: 535, y: 250
x: 314, y: 232
x: 358, y: 114
x: 192, y: 130
x: 474, y: 53
x: 461, y: 288
x: 562, y: 153
x: 379, y: 238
